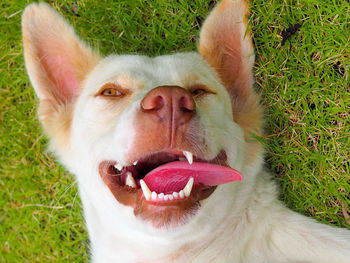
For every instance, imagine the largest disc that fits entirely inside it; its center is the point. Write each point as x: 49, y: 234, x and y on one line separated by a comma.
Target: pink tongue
x: 173, y: 177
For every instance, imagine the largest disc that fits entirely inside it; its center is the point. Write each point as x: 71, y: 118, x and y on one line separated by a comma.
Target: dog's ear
x: 226, y: 45
x: 56, y: 59
x: 57, y: 62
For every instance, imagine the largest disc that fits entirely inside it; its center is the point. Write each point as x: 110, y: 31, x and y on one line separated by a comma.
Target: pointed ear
x: 226, y: 45
x: 57, y: 60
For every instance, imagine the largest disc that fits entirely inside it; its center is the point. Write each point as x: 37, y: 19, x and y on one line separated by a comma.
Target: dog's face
x: 153, y: 141
x: 137, y: 113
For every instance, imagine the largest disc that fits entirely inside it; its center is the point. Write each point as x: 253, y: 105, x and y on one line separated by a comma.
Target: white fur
x: 239, y: 222
x: 103, y: 213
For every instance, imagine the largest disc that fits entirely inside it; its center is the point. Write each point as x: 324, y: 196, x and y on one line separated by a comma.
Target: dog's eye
x: 199, y: 90
x: 111, y: 90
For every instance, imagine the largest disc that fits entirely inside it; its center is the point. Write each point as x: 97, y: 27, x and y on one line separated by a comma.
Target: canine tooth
x: 145, y: 189
x: 182, y: 194
x: 130, y: 181
x: 134, y: 163
x: 175, y: 194
x: 154, y: 195
x: 188, y: 188
x: 171, y: 197
x: 118, y: 166
x: 189, y: 156
x: 166, y: 197
x: 161, y: 196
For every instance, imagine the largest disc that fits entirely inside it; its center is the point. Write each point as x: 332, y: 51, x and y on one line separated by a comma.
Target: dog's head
x: 130, y: 126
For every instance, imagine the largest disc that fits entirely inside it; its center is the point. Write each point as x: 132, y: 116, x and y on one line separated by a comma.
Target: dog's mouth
x: 166, y: 179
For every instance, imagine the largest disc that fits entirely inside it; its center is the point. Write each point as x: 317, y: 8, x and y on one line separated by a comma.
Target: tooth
x: 134, y: 163
x: 176, y: 195
x: 188, y: 188
x: 118, y: 166
x: 130, y: 181
x: 166, y: 197
x: 182, y: 194
x: 154, y: 195
x: 189, y: 156
x: 171, y: 197
x: 145, y: 189
x: 161, y: 196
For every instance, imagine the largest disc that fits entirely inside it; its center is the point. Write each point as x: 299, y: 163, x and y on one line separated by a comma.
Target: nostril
x: 159, y: 102
x: 186, y: 103
x: 153, y: 103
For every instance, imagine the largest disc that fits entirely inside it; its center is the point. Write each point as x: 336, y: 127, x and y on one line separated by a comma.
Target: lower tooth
x: 176, y: 195
x: 145, y: 189
x: 161, y: 196
x: 171, y: 197
x: 188, y: 188
x: 166, y: 197
x: 154, y: 195
x: 182, y: 194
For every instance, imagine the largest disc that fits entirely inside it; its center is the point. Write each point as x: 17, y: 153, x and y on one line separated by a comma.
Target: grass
x: 304, y: 85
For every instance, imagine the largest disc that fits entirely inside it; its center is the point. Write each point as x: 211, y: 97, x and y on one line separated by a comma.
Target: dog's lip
x: 158, y: 211
x: 110, y: 176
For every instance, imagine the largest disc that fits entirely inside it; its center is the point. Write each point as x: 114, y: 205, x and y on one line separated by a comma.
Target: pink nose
x: 170, y: 104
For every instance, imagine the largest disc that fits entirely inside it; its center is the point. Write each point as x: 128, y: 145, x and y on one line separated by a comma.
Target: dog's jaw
x: 177, y: 186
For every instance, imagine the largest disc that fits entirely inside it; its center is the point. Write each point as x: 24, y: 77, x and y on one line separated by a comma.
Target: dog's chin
x: 164, y: 204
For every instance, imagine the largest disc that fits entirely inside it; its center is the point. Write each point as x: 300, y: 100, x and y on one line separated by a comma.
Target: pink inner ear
x: 60, y: 72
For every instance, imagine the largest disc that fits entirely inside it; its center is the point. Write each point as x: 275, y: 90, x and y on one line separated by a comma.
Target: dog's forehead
x: 142, y: 72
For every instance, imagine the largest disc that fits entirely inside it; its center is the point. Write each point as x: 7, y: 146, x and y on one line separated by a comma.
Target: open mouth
x: 167, y: 177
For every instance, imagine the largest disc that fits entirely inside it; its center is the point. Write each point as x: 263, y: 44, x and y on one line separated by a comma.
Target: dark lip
x: 175, y: 212
x: 130, y: 196
x: 149, y: 162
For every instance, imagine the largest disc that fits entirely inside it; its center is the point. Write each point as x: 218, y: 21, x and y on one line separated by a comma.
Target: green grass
x: 304, y: 85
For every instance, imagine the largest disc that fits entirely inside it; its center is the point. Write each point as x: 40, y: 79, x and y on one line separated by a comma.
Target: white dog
x: 162, y: 148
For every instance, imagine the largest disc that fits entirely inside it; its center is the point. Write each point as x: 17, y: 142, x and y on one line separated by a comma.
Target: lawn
x: 304, y: 85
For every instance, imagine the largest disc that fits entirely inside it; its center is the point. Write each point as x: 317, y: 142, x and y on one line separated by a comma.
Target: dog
x: 163, y: 148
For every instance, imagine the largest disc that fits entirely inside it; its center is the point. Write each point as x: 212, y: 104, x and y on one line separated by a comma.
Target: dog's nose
x: 170, y: 103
